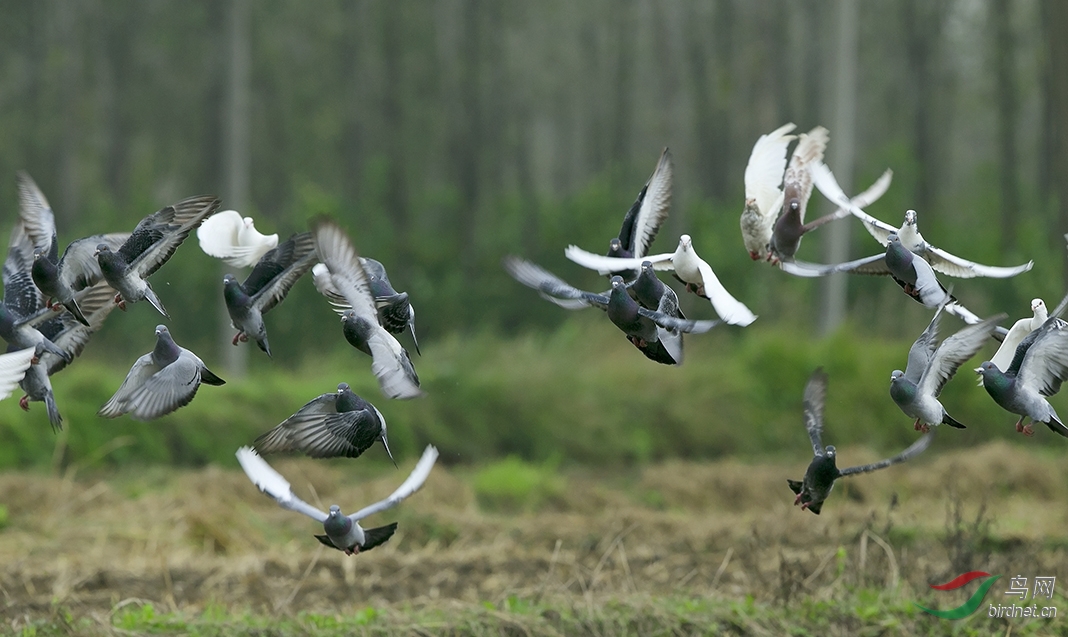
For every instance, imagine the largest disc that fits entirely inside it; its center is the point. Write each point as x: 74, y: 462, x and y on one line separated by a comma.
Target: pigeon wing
x: 347, y: 276
x: 730, y: 309
x: 346, y: 434
x: 922, y: 350
x: 962, y: 268
x: 412, y: 484
x: 272, y: 291
x: 224, y: 236
x: 168, y: 389
x: 13, y: 366
x: 36, y: 214
x: 608, y: 265
x: 824, y: 180
x: 549, y: 285
x: 142, y: 370
x: 914, y: 449
x: 156, y: 238
x: 798, y: 177
x: 764, y: 172
x: 815, y: 397
x: 79, y: 268
x: 953, y: 352
x: 273, y: 484
x: 654, y: 207
x: 96, y: 303
x: 1045, y: 364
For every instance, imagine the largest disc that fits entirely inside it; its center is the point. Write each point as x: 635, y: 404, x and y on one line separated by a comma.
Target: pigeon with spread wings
x: 228, y: 236
x: 150, y: 245
x: 822, y: 472
x: 342, y: 532
x: 390, y: 363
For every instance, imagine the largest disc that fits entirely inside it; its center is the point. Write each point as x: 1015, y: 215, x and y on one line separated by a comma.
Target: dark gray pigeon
x: 822, y: 472
x: 648, y: 330
x: 71, y: 336
x: 333, y: 425
x: 645, y: 216
x: 266, y: 286
x: 1036, y: 372
x: 930, y: 366
x: 160, y: 382
x: 59, y: 279
x: 23, y: 308
x: 390, y: 363
x: 342, y: 532
x: 395, y: 311
x: 150, y: 245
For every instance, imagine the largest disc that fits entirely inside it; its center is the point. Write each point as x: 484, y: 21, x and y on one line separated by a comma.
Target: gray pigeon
x: 390, y: 363
x: 645, y: 216
x: 160, y: 382
x: 648, y: 330
x: 23, y: 308
x: 342, y: 532
x: 1036, y: 372
x: 71, y: 336
x: 336, y: 424
x: 150, y: 245
x: 822, y: 472
x: 395, y: 310
x: 930, y: 366
x: 909, y: 235
x: 60, y: 280
x: 266, y: 286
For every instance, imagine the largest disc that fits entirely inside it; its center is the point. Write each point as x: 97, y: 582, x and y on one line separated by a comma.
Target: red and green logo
x: 973, y: 603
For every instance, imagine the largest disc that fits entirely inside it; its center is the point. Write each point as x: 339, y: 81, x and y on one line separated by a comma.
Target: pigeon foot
x: 55, y: 307
x: 237, y: 337
x: 804, y: 505
x: 916, y: 425
x: 36, y: 359
x: 797, y: 500
x: 925, y: 428
x: 754, y: 256
x: 24, y: 402
x: 1019, y: 425
x: 1028, y: 430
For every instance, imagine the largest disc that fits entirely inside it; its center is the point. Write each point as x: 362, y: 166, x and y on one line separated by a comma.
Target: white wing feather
x: 764, y: 172
x: 412, y: 484
x: 226, y: 235
x: 13, y: 367
x: 273, y: 484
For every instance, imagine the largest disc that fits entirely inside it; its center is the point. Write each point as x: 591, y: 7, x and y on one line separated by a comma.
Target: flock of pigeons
x: 52, y: 305
x: 1029, y: 366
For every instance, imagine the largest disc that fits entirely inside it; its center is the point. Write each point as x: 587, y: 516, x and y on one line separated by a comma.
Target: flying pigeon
x: 763, y: 196
x: 1037, y: 370
x: 651, y: 331
x: 796, y: 191
x: 150, y: 245
x: 395, y: 311
x: 689, y: 269
x: 930, y: 366
x: 336, y: 424
x: 1019, y: 330
x: 70, y: 336
x: 160, y: 382
x: 227, y: 236
x: 342, y: 532
x: 23, y: 308
x: 60, y: 280
x: 390, y: 362
x: 645, y: 216
x: 909, y: 235
x: 266, y: 286
x: 819, y: 478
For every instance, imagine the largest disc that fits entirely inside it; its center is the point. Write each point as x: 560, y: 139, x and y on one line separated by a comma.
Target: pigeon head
x: 229, y: 279
x: 342, y: 388
x: 336, y: 524
x: 617, y: 283
x: 829, y: 450
x: 910, y: 218
x: 647, y: 267
x: 794, y: 205
x: 892, y: 238
x: 685, y: 243
x: 1038, y: 305
x: 101, y: 248
x: 615, y: 245
x: 896, y: 374
x: 161, y: 330
x: 38, y: 253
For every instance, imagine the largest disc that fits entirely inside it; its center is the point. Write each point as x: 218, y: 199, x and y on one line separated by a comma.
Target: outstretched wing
x: 347, y: 276
x: 608, y: 265
x: 729, y: 308
x: 79, y: 268
x: 157, y: 236
x: 551, y: 287
x: 1045, y: 364
x: 273, y: 484
x: 914, y: 449
x: 13, y: 366
x: 815, y: 397
x: 653, y: 210
x: 408, y: 487
x: 281, y: 268
x: 824, y: 180
x: 922, y: 350
x: 953, y: 352
x: 962, y: 268
x: 764, y: 172
x: 36, y: 215
x: 797, y: 182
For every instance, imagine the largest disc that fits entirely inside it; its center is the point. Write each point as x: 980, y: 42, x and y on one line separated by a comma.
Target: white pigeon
x: 909, y: 234
x: 228, y: 236
x: 689, y: 269
x: 763, y: 195
x: 1019, y: 330
x: 343, y: 532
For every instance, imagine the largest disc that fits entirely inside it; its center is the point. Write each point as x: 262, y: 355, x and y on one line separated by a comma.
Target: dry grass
x: 195, y: 540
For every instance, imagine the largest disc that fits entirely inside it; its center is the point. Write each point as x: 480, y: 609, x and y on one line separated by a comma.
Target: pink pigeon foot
x: 1019, y: 425
x: 236, y: 338
x: 797, y: 500
x: 24, y: 402
x: 1028, y: 430
x: 925, y: 428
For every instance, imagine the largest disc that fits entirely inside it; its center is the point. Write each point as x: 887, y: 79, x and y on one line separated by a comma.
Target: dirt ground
x: 187, y: 540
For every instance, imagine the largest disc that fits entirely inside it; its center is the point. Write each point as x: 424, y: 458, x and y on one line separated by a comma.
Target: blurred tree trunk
x: 924, y: 21
x: 469, y: 134
x: 236, y: 163
x: 70, y: 44
x: 396, y: 195
x: 836, y: 235
x: 1055, y: 21
x: 1007, y: 111
x: 709, y: 75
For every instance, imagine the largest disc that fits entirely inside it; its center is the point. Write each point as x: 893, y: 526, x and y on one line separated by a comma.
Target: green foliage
x: 513, y: 485
x: 580, y: 393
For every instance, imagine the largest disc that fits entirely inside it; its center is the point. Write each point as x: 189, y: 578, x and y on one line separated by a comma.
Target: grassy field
x: 532, y: 549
